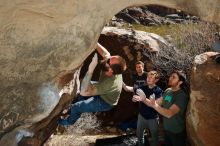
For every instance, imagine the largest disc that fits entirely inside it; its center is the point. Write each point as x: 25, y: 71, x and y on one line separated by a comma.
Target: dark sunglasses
x: 108, y: 61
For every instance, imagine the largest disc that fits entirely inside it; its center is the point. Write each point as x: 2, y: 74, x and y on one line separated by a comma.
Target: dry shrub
x: 188, y: 41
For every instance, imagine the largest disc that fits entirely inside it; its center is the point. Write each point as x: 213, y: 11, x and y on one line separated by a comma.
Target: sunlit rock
x: 203, y: 115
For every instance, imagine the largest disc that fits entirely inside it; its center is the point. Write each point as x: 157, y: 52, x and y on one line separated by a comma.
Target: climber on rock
x: 104, y: 94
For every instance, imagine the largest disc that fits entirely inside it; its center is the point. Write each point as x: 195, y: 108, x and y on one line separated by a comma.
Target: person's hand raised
x: 141, y: 94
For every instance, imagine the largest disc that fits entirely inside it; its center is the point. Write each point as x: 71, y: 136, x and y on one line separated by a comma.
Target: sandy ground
x: 83, y: 133
x: 75, y: 140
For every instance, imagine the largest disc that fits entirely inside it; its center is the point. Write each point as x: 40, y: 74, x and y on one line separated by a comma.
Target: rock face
x: 152, y: 16
x: 203, y: 115
x: 41, y: 39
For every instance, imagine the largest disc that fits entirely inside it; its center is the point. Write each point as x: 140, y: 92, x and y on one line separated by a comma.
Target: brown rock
x: 203, y: 115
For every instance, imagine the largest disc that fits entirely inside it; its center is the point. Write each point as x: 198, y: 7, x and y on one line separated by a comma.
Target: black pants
x: 175, y: 139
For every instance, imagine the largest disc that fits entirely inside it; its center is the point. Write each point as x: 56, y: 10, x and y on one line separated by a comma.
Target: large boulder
x: 41, y: 39
x: 203, y: 115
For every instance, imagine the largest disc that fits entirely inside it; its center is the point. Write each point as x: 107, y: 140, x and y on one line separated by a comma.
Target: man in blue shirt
x: 148, y: 117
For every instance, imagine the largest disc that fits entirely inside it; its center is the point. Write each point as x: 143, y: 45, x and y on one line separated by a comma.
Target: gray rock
x: 128, y: 18
x: 178, y: 20
x: 173, y: 16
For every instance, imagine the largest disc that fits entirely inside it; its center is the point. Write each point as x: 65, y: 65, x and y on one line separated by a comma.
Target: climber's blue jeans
x: 92, y: 104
